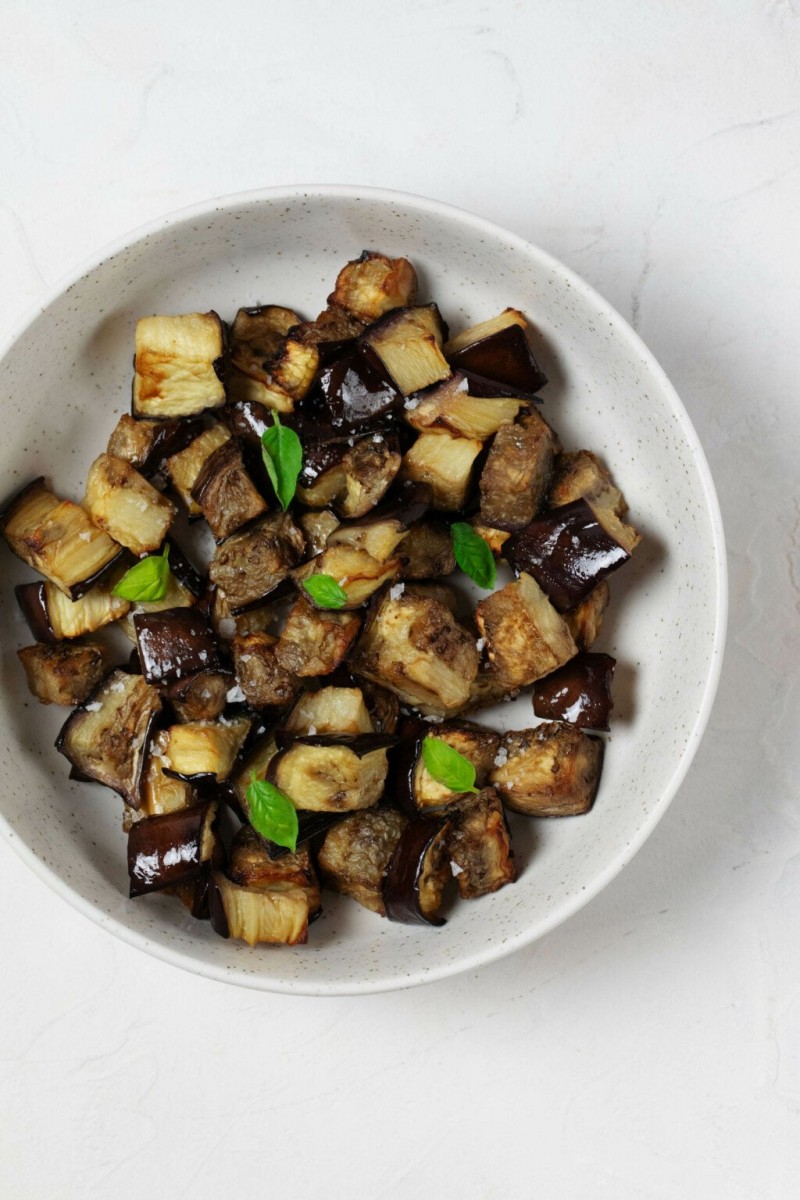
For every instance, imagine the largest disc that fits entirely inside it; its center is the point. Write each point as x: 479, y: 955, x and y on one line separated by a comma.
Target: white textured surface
x: 649, y: 1047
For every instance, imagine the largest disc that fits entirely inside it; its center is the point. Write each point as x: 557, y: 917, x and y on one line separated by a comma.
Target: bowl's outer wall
x: 66, y: 379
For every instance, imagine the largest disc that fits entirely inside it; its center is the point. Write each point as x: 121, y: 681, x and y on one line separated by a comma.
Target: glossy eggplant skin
x: 174, y: 643
x: 567, y: 551
x: 578, y: 693
x: 420, y: 841
x: 504, y: 356
x: 357, y: 395
x: 169, y: 850
x: 32, y: 599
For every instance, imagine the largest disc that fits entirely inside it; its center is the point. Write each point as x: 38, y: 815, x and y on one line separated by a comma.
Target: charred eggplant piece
x: 225, y: 492
x: 227, y: 625
x: 488, y: 689
x: 250, y: 566
x: 106, y: 737
x: 581, y: 475
x: 266, y: 683
x: 415, y: 879
x: 170, y: 850
x: 315, y: 642
x: 185, y: 467
x: 479, y: 846
x: 408, y: 342
x: 65, y: 672
x: 251, y: 866
x: 356, y: 852
x: 205, y: 748
x: 146, y: 445
x: 352, y: 479
x: 498, y: 349
x: 58, y: 539
x: 586, y: 621
x: 256, y: 337
x: 200, y: 697
x: 255, y: 916
x: 52, y: 616
x: 317, y: 526
x: 415, y: 788
x: 330, y: 710
x: 516, y: 473
x: 174, y: 643
x: 176, y: 365
x: 357, y: 395
x: 449, y: 406
x: 331, y: 773
x: 357, y: 572
x: 269, y: 363
x: 413, y: 645
x: 427, y: 551
x: 578, y: 693
x: 379, y: 538
x: 447, y: 464
x: 333, y: 333
x: 373, y: 284
x: 131, y: 510
x: 526, y: 637
x: 550, y: 771
x: 571, y: 549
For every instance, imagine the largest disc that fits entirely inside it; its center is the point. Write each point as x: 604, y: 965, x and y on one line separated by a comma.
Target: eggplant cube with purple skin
x: 516, y: 473
x: 498, y: 349
x: 52, y: 616
x: 253, y: 915
x: 445, y: 462
x: 225, y: 492
x: 130, y: 509
x: 581, y: 475
x: 173, y: 644
x: 373, y: 284
x: 586, y: 619
x: 330, y: 710
x: 356, y: 853
x: 420, y: 790
x: 525, y: 637
x: 63, y: 672
x: 250, y: 865
x: 250, y: 565
x: 352, y: 479
x: 315, y: 641
x: 175, y: 363
x: 550, y: 771
x: 332, y: 773
x: 206, y: 747
x: 266, y: 683
x: 427, y: 551
x: 479, y: 845
x: 171, y: 849
x: 418, y: 872
x: 578, y: 693
x: 408, y: 342
x: 450, y: 407
x: 185, y: 466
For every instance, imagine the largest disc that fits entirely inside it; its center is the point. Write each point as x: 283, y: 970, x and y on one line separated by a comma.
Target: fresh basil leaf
x: 271, y: 813
x: 325, y: 591
x: 283, y: 458
x: 447, y: 766
x: 473, y: 555
x: 147, y: 579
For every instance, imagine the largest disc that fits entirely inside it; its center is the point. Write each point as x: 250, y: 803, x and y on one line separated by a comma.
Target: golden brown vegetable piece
x: 251, y: 866
x: 131, y: 510
x: 275, y: 917
x: 64, y: 672
x: 550, y: 771
x: 199, y: 697
x: 451, y: 408
x: 206, y: 747
x: 266, y: 683
x: 316, y: 527
x: 413, y: 645
x: 487, y: 689
x: 329, y: 778
x: 479, y: 845
x: 446, y: 463
x: 517, y: 472
x: 314, y: 641
x: 184, y: 467
x: 356, y: 482
x: 225, y: 492
x: 427, y: 549
x: 175, y: 361
x: 371, y: 285
x: 586, y: 621
x: 408, y: 341
x: 257, y: 335
x: 484, y: 329
x: 525, y: 637
x: 330, y: 710
x: 494, y: 538
x: 357, y: 851
x: 582, y: 474
x: 478, y: 745
x: 250, y: 565
x: 356, y: 572
x: 162, y: 793
x: 51, y: 615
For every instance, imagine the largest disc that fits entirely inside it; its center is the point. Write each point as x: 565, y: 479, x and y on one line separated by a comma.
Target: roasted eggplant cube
x: 226, y: 493
x: 586, y: 620
x: 171, y: 849
x: 106, y: 738
x: 174, y: 643
x: 356, y: 853
x: 256, y: 337
x: 64, y: 672
x: 330, y: 710
x: 177, y: 595
x: 353, y: 480
x: 330, y: 777
x: 251, y: 866
x: 578, y: 693
x: 418, y: 871
x: 175, y: 363
x: 227, y: 624
x: 357, y: 572
x: 569, y: 550
x: 58, y: 539
x: 498, y: 349
x: 479, y: 846
x: 373, y: 284
x: 317, y: 527
x: 408, y: 342
x: 184, y: 468
x: 147, y: 444
x: 380, y: 538
x: 199, y: 697
x: 516, y: 473
x: 130, y: 509
x: 162, y: 793
x: 51, y: 615
x: 315, y: 642
x: 488, y: 689
x: 550, y: 771
x: 413, y: 645
x: 525, y: 637
x: 479, y: 746
x: 264, y: 680
x: 581, y: 475
x: 447, y: 464
x: 249, y: 566
x: 206, y: 747
x: 256, y: 916
x: 427, y: 551
x: 357, y: 394
x: 450, y: 407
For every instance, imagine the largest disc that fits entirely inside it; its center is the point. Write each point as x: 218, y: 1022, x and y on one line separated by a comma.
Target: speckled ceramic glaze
x: 66, y: 377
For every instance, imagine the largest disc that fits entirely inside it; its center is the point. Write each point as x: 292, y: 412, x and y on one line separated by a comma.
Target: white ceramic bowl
x: 66, y: 376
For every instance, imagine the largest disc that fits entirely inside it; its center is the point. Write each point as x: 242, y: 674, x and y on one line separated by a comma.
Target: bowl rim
x: 491, y: 952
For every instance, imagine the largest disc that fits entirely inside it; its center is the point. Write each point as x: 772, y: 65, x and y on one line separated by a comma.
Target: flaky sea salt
x: 227, y: 627
x: 312, y: 729
x: 396, y: 592
x: 501, y: 758
x: 479, y: 645
x: 235, y: 695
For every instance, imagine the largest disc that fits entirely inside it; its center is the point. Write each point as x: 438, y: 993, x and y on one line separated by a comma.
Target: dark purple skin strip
x: 578, y: 693
x: 400, y: 887
x: 356, y: 394
x: 478, y: 385
x: 567, y: 551
x: 32, y: 599
x: 504, y: 356
x: 164, y: 851
x: 359, y: 743
x: 174, y: 643
x: 172, y: 436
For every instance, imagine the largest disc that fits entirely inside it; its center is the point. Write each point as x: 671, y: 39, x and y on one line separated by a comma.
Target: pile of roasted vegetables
x: 293, y: 716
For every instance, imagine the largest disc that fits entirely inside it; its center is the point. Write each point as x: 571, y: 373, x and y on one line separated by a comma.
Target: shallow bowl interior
x: 65, y: 379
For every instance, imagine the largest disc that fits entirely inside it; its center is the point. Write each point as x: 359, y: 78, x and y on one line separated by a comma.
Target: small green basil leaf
x: 447, y: 766
x: 147, y: 579
x: 283, y: 458
x: 473, y: 555
x: 325, y: 591
x: 271, y: 813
